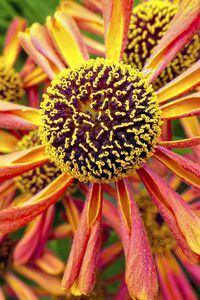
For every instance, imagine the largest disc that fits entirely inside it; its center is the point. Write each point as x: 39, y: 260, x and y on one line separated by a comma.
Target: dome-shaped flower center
x: 6, y: 248
x: 10, y: 84
x: 149, y: 22
x: 35, y: 180
x: 100, y: 120
x: 158, y: 232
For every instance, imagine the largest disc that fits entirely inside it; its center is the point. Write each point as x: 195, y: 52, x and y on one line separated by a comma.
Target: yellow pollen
x: 11, y: 88
x: 35, y: 180
x: 112, y: 127
x: 149, y: 22
x: 158, y: 232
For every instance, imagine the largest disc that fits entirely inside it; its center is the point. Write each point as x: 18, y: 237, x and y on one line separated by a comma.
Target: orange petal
x: 86, y: 19
x: 41, y: 60
x: 191, y: 142
x: 80, y: 272
x: 140, y: 273
x: 21, y: 290
x: 182, y: 220
x: 61, y: 232
x: 111, y: 216
x: 94, y: 47
x: 2, y: 296
x: 109, y: 254
x: 6, y: 188
x: 183, y: 167
x: 94, y: 5
x: 182, y: 27
x: 16, y: 217
x: 192, y: 128
x: 62, y: 28
x: 35, y: 77
x: 49, y: 263
x: 17, y: 163
x: 72, y: 212
x: 15, y: 116
x: 116, y: 14
x: 8, y: 142
x: 183, y: 107
x: 50, y: 283
x: 11, y: 46
x: 181, y: 84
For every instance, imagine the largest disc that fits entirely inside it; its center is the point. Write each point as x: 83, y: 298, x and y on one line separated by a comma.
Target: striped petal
x: 184, y: 107
x: 116, y: 15
x: 181, y: 29
x: 16, y: 217
x: 21, y: 290
x: 181, y: 84
x: 140, y: 274
x: 185, y: 143
x: 62, y: 28
x: 15, y: 116
x: 11, y: 45
x: 94, y: 5
x: 86, y: 19
x: 182, y: 220
x: 94, y: 47
x: 80, y: 271
x: 49, y: 263
x: 8, y: 142
x: 17, y: 163
x: 49, y: 283
x: 183, y: 167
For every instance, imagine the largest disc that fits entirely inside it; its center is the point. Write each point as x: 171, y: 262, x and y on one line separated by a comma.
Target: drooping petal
x: 94, y: 47
x: 16, y: 217
x: 181, y: 84
x: 8, y: 142
x: 35, y: 77
x: 182, y: 27
x: 182, y: 220
x: 50, y: 283
x: 183, y: 167
x: 11, y: 45
x: 191, y: 142
x: 15, y: 116
x: 116, y: 15
x: 62, y: 28
x: 110, y: 213
x: 86, y: 19
x: 22, y: 290
x: 80, y: 272
x: 94, y: 5
x: 72, y: 212
x: 183, y: 107
x: 14, y: 164
x: 140, y: 274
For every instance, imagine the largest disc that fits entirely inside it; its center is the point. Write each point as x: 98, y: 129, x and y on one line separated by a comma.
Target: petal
x: 49, y: 263
x: 94, y: 47
x: 183, y: 107
x: 15, y: 116
x: 11, y: 46
x: 21, y: 290
x: 116, y: 15
x: 72, y: 212
x: 140, y: 274
x: 6, y: 189
x: 16, y: 217
x: 17, y: 163
x: 80, y: 272
x: 185, y: 143
x: 192, y: 128
x: 110, y: 214
x: 8, y: 142
x: 41, y: 60
x: 35, y: 77
x: 49, y: 283
x: 2, y: 296
x: 182, y: 27
x: 61, y: 232
x: 183, y: 167
x: 181, y: 84
x: 182, y: 220
x: 94, y: 5
x: 62, y: 28
x: 32, y: 243
x: 109, y: 254
x: 86, y: 19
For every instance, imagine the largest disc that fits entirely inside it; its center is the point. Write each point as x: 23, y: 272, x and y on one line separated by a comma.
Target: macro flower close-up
x: 99, y: 157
